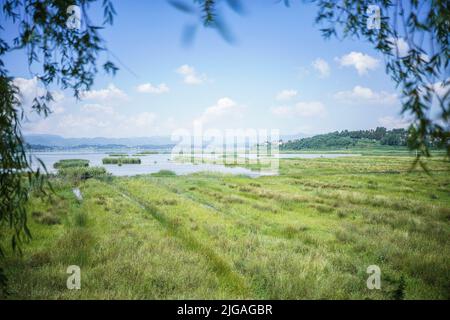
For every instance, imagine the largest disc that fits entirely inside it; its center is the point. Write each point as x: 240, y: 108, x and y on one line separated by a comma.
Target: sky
x: 279, y: 73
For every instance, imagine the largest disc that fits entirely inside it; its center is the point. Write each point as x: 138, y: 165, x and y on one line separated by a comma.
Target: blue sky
x: 279, y: 74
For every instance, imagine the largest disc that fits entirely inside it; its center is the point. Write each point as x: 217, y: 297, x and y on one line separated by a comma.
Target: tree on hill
x: 346, y: 139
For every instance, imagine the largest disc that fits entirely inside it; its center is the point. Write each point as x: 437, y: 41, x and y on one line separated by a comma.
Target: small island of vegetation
x: 78, y: 169
x: 70, y: 163
x: 145, y: 153
x: 121, y: 160
x: 118, y: 155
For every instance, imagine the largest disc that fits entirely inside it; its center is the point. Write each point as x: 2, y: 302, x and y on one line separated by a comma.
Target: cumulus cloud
x: 360, y: 61
x: 112, y: 122
x: 99, y: 121
x: 29, y: 89
x: 149, y: 88
x: 111, y: 93
x: 322, y: 67
x: 94, y: 118
x: 58, y: 96
x: 301, y: 109
x: 286, y: 94
x: 190, y: 75
x: 399, y: 47
x: 390, y: 122
x: 222, y: 113
x: 362, y: 95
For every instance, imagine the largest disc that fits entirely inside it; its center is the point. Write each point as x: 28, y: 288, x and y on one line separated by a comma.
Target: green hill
x: 349, y: 139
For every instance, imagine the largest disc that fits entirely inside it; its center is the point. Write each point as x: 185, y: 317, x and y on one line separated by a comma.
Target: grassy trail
x: 230, y: 281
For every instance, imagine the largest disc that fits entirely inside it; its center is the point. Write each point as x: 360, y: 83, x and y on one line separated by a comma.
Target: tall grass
x: 82, y: 173
x: 164, y: 173
x: 69, y: 163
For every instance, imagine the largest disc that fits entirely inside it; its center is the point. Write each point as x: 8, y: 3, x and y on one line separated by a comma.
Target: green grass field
x: 309, y: 233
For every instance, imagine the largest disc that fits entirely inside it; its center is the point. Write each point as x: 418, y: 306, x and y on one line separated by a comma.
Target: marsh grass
x: 118, y: 155
x: 164, y: 173
x: 309, y: 233
x: 119, y: 160
x: 70, y: 163
x: 82, y: 173
x: 48, y: 218
x: 80, y: 219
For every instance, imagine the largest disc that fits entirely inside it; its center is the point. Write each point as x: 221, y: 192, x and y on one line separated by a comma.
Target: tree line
x: 358, y: 138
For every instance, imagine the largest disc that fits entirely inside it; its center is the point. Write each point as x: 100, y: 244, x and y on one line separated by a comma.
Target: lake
x: 155, y: 162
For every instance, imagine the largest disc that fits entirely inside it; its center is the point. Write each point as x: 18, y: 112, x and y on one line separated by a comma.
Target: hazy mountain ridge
x: 50, y: 140
x: 58, y: 141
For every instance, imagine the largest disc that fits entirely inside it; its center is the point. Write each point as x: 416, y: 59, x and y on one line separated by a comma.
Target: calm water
x: 156, y: 162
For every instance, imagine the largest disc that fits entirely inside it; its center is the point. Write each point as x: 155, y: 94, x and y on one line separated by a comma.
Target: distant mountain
x: 58, y: 141
x: 49, y: 140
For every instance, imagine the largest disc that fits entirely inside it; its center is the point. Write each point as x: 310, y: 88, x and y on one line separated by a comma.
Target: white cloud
x: 360, y: 61
x: 96, y: 122
x: 190, y: 75
x: 301, y: 109
x: 362, y: 95
x: 399, y: 47
x: 390, y: 122
x: 222, y: 113
x: 149, y: 88
x: 28, y: 90
x: 95, y: 119
x: 73, y: 123
x: 321, y: 66
x: 286, y: 94
x: 98, y: 118
x: 28, y: 87
x: 97, y: 108
x: 38, y: 127
x: 58, y: 96
x: 441, y: 88
x: 114, y: 123
x: 57, y: 109
x: 111, y: 93
x: 57, y: 105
